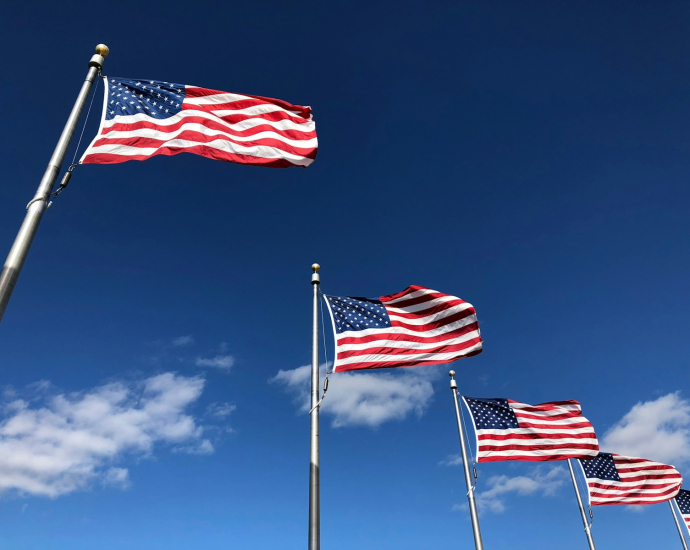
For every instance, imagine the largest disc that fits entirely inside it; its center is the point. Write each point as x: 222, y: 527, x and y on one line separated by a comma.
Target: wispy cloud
x: 65, y: 442
x: 203, y: 447
x: 542, y: 481
x: 220, y: 410
x: 657, y: 430
x: 362, y: 399
x: 117, y: 477
x: 182, y: 341
x: 451, y: 460
x: 222, y: 362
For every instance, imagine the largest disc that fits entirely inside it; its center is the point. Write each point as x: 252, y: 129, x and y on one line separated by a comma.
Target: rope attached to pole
x: 325, y: 352
x: 68, y: 174
x: 474, y: 462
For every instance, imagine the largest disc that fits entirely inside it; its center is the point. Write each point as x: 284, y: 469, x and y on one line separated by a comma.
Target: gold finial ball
x: 315, y: 268
x: 103, y: 50
x: 451, y: 373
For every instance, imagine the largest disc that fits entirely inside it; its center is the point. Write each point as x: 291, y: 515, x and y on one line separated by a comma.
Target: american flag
x: 509, y: 430
x: 417, y: 326
x: 615, y: 479
x: 683, y: 501
x: 143, y: 118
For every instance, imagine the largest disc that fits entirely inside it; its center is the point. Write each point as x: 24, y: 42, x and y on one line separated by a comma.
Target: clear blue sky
x: 531, y: 158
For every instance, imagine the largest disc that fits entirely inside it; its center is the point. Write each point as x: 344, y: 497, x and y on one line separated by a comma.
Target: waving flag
x: 615, y: 479
x: 508, y: 430
x: 683, y: 501
x: 143, y: 118
x: 417, y: 326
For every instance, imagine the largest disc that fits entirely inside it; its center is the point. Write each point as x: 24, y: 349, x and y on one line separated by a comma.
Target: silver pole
x: 678, y: 525
x: 478, y: 544
x: 314, y: 488
x: 588, y: 529
x: 27, y: 232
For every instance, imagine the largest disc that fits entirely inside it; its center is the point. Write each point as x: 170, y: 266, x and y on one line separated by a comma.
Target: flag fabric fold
x: 616, y: 479
x: 683, y: 501
x: 144, y: 118
x: 509, y: 430
x: 417, y: 326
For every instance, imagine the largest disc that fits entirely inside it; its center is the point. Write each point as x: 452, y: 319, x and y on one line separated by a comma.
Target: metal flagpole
x: 465, y: 463
x: 37, y: 206
x: 314, y: 489
x: 588, y: 529
x: 678, y: 525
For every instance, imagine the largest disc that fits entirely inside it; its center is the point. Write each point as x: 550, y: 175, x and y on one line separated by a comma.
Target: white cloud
x: 182, y: 341
x: 221, y: 410
x: 65, y: 442
x: 451, y: 460
x: 540, y: 482
x: 637, y: 508
x: 118, y: 477
x: 657, y: 430
x: 362, y: 398
x: 223, y: 362
x: 204, y: 447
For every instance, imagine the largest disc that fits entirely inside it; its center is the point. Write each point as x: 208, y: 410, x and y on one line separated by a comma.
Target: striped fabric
x: 417, y: 326
x: 615, y: 479
x: 144, y: 118
x: 509, y: 430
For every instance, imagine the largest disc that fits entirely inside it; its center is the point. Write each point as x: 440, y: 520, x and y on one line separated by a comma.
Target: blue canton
x: 357, y: 313
x: 683, y: 500
x: 601, y: 467
x: 492, y: 414
x: 151, y: 97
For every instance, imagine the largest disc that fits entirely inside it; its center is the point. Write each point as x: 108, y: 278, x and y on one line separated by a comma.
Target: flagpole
x: 478, y: 544
x: 37, y: 206
x: 588, y: 529
x: 678, y: 525
x: 314, y: 486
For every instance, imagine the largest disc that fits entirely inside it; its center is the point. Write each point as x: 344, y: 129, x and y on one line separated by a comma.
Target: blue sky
x: 529, y: 158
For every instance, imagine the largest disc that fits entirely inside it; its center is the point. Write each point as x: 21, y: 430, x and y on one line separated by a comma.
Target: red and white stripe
x: 642, y: 482
x: 548, y: 431
x: 427, y: 327
x: 219, y: 125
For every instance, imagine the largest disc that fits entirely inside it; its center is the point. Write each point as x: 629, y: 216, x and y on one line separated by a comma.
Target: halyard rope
x: 473, y: 461
x: 325, y: 353
x: 68, y: 175
x: 93, y: 95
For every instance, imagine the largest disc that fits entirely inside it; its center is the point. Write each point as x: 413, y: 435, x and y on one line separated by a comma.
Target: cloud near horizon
x: 61, y: 443
x: 362, y: 398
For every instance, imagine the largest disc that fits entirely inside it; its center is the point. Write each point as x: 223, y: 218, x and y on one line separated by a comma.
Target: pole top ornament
x: 451, y: 373
x: 103, y: 50
x: 315, y: 268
